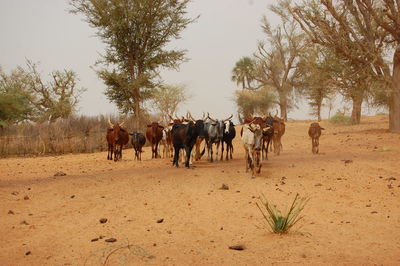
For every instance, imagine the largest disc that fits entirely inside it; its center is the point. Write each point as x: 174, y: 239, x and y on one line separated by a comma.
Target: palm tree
x: 242, y: 73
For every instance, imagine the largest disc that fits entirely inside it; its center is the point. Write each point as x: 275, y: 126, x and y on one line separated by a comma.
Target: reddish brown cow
x: 116, y: 138
x: 154, y: 135
x: 279, y: 129
x: 315, y: 132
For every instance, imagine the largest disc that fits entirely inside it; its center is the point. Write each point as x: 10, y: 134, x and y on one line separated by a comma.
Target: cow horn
x: 229, y: 118
x: 208, y: 116
x: 109, y: 122
x: 191, y: 117
x: 123, y: 122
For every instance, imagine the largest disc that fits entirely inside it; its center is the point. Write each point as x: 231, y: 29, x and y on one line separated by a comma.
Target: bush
x: 340, y: 118
x: 281, y: 224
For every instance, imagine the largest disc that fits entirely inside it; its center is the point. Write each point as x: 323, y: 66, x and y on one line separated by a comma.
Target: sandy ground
x: 352, y: 218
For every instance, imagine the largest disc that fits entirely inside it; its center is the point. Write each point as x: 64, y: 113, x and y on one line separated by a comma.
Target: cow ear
x: 148, y: 125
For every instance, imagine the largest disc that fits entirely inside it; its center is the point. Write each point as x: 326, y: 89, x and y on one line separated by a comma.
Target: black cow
x: 267, y: 136
x: 229, y: 135
x: 138, y: 140
x: 184, y: 136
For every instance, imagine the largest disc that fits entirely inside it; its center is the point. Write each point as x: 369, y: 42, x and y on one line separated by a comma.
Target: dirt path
x: 352, y: 218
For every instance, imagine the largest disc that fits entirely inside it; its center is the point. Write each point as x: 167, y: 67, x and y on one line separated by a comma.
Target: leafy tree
x: 243, y: 73
x: 14, y: 105
x: 136, y: 34
x: 28, y: 97
x: 251, y: 102
x: 167, y: 98
x: 54, y: 99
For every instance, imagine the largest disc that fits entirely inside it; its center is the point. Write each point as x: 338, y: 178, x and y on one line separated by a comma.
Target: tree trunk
x: 136, y: 114
x: 283, y: 105
x: 394, y: 98
x: 356, y: 111
x: 319, y: 112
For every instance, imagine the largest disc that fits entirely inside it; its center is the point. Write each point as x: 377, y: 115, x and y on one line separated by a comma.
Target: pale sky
x: 44, y: 31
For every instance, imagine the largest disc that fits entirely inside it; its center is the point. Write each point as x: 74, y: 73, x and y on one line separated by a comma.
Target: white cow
x: 252, y: 141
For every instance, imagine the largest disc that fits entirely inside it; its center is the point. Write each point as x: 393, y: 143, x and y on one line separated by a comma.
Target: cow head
x: 156, y: 129
x: 115, y: 128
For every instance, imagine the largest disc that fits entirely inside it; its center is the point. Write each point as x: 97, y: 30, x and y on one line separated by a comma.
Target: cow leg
x: 246, y: 160
x: 176, y: 157
x: 231, y: 145
x: 222, y: 150
x: 211, y: 153
x: 188, y: 152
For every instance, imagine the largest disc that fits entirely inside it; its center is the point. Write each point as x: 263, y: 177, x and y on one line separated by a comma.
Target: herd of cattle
x: 182, y: 138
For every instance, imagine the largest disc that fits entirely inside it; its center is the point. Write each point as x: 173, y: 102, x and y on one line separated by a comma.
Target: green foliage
x: 340, y: 118
x: 243, y: 72
x: 25, y: 95
x: 251, y: 102
x: 166, y: 99
x: 278, y: 222
x: 13, y: 108
x: 136, y: 34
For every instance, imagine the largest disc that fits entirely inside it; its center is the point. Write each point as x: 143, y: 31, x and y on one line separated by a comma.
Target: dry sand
x: 352, y: 218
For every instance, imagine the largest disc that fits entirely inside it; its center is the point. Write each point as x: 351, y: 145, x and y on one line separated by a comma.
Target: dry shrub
x: 77, y: 134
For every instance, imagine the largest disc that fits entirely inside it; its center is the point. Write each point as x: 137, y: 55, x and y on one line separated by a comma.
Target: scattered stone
x: 338, y: 178
x: 155, y: 244
x: 28, y: 253
x: 380, y: 176
x: 373, y: 212
x: 26, y: 198
x: 29, y: 188
x: 101, y: 237
x: 237, y: 247
x: 390, y: 186
x: 169, y: 232
x: 237, y: 191
x: 111, y: 240
x: 390, y: 178
x: 304, y: 255
x: 103, y: 220
x: 10, y: 212
x: 72, y: 196
x: 95, y: 239
x: 24, y: 222
x: 60, y: 173
x: 368, y: 205
x: 151, y: 257
x: 347, y: 161
x: 222, y: 228
x: 224, y: 187
x: 292, y: 165
x: 318, y: 185
x: 15, y: 193
x: 160, y: 220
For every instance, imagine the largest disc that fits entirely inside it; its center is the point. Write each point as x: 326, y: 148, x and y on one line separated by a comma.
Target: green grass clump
x: 279, y: 223
x: 340, y: 118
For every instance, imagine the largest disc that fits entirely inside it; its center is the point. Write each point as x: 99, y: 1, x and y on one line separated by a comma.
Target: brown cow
x: 279, y: 129
x: 116, y: 136
x: 154, y: 135
x: 315, y: 132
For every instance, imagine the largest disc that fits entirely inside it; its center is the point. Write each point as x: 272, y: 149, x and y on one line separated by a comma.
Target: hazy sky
x: 44, y: 31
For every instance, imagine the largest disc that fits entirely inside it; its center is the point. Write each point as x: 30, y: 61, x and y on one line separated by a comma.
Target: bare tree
x: 348, y: 29
x: 167, y: 98
x: 278, y: 60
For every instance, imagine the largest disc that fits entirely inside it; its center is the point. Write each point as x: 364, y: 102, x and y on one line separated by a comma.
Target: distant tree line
x: 322, y: 48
